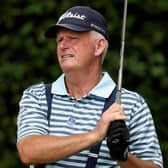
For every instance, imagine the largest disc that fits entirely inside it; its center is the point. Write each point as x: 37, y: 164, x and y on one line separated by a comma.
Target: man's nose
x: 64, y: 44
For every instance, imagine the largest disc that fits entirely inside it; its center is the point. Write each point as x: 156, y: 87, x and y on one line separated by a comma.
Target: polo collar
x: 102, y: 89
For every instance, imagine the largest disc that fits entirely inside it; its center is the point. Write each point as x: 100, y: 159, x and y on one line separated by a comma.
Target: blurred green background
x: 26, y: 57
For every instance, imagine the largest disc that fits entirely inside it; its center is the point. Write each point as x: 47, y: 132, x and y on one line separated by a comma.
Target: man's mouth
x: 66, y: 56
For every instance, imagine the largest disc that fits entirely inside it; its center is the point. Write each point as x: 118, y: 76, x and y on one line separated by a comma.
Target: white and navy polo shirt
x: 75, y: 116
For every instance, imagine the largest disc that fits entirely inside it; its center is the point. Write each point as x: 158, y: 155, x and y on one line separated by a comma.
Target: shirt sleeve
x: 144, y: 142
x: 32, y: 116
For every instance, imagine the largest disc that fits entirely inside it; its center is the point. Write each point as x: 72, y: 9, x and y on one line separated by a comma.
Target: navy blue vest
x: 94, y: 151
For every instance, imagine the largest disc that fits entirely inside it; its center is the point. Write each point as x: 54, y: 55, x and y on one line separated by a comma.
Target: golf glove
x: 117, y: 140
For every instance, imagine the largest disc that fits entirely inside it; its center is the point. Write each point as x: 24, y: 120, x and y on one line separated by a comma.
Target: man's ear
x: 100, y: 46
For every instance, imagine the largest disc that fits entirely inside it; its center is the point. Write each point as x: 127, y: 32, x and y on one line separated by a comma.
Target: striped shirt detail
x: 70, y: 116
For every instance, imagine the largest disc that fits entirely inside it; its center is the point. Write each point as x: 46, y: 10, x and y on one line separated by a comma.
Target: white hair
x: 96, y: 36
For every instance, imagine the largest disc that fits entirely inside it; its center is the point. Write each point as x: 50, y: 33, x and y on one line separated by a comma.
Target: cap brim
x: 52, y: 30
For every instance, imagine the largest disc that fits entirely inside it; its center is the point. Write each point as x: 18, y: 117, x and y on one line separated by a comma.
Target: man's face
x: 75, y: 50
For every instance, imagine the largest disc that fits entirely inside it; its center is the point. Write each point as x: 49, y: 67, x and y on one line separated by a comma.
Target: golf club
x: 119, y: 141
x: 120, y: 73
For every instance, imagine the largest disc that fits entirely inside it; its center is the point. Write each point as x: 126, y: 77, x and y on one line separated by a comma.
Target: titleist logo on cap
x: 72, y: 15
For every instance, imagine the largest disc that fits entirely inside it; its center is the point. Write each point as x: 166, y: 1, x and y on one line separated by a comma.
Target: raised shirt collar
x: 102, y: 89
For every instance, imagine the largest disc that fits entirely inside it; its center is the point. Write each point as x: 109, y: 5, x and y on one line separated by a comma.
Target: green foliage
x: 28, y: 58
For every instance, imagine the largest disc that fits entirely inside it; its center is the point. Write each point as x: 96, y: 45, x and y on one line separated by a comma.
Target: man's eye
x: 58, y: 40
x: 73, y: 38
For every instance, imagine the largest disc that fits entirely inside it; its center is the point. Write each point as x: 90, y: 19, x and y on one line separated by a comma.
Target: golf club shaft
x: 120, y: 73
x: 119, y: 140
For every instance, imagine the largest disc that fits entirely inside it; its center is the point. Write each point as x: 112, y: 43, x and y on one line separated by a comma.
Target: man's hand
x: 113, y: 113
x: 117, y: 140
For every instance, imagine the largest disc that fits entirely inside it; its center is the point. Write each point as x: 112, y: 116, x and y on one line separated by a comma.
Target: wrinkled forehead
x: 63, y: 32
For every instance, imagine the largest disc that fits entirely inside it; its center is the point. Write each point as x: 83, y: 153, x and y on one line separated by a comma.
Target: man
x: 76, y: 120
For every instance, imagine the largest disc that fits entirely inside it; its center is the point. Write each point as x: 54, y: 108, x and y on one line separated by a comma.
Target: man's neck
x: 80, y: 85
